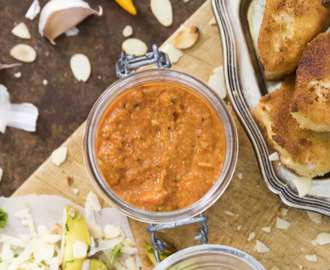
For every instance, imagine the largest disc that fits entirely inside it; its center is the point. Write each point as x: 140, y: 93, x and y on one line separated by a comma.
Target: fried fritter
x: 287, y: 27
x: 311, y: 97
x: 304, y: 151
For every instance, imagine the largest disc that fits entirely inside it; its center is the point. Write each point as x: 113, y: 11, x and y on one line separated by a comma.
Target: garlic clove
x: 81, y: 67
x: 162, y: 9
x: 5, y: 66
x: 134, y: 46
x: 21, y: 31
x: 173, y: 53
x: 186, y: 37
x: 23, y: 53
x: 127, y: 31
x: 59, y: 16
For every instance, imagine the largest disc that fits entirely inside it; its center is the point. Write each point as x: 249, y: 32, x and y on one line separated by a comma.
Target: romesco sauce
x: 160, y: 147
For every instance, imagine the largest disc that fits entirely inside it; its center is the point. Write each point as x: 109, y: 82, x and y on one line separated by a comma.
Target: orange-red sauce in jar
x: 160, y: 146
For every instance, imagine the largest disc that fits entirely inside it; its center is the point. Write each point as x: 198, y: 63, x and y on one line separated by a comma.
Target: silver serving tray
x: 245, y: 85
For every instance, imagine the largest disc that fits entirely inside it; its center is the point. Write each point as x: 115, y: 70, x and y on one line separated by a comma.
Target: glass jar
x: 210, y: 257
x: 160, y: 75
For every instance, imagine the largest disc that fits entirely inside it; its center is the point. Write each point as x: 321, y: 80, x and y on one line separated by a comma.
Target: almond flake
x: 315, y: 217
x: 284, y: 211
x: 251, y: 236
x: 72, y: 212
x: 94, y: 201
x: 261, y: 247
x: 21, y: 31
x: 311, y: 258
x: 80, y: 67
x: 134, y: 46
x: 229, y: 213
x: 127, y: 31
x: 44, y: 82
x: 239, y: 227
x: 282, y: 224
x: 274, y: 156
x: 1, y: 173
x: 217, y: 83
x: 23, y: 53
x: 75, y: 191
x: 212, y: 22
x: 79, y: 249
x: 240, y: 175
x: 303, y: 185
x: 18, y: 75
x: 186, y: 37
x: 173, y: 53
x: 59, y: 156
x: 162, y: 9
x: 53, y: 263
x: 266, y: 229
x: 323, y: 238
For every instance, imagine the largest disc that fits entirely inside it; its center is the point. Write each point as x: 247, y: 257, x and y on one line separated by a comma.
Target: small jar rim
x: 203, y: 250
x: 153, y: 75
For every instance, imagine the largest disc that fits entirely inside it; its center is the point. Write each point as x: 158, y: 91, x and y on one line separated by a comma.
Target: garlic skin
x: 59, y: 16
x: 23, y: 116
x: 33, y: 10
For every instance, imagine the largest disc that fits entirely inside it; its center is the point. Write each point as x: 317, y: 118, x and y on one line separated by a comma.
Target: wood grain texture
x: 249, y: 198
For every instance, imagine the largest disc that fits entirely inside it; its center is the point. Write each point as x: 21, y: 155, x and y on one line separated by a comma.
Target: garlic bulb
x: 23, y: 116
x: 59, y: 16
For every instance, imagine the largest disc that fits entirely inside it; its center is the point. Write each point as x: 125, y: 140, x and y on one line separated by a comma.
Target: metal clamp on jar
x: 128, y: 79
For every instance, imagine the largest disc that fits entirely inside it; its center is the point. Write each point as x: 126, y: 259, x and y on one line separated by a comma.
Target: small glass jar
x: 210, y: 257
x: 160, y: 75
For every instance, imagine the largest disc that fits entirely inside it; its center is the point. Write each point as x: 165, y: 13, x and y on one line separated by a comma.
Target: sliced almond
x: 323, y: 238
x: 217, y: 83
x: 274, y: 156
x: 127, y: 31
x: 95, y: 230
x: 75, y: 191
x: 186, y: 37
x: 303, y: 185
x: 1, y: 173
x: 282, y: 224
x: 229, y: 213
x: 251, y: 236
x: 18, y: 75
x: 284, y: 211
x: 81, y: 67
x: 111, y: 231
x: 266, y: 229
x: 315, y: 217
x: 23, y: 53
x: 21, y: 31
x: 59, y: 156
x: 239, y: 227
x: 33, y: 10
x: 162, y: 9
x: 134, y: 46
x: 261, y: 247
x: 59, y: 16
x: 311, y: 258
x: 212, y: 22
x: 173, y: 53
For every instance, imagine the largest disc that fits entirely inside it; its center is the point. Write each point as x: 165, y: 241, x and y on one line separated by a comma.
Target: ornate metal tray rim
x: 235, y: 52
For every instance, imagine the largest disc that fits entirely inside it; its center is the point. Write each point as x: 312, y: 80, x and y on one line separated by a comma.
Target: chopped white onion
x: 79, y: 249
x: 261, y: 247
x: 33, y: 10
x: 94, y: 201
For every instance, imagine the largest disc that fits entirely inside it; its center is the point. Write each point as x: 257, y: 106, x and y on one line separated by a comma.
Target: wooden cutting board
x: 247, y: 197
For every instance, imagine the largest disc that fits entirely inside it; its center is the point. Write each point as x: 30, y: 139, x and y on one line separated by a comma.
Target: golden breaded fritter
x: 311, y: 97
x: 304, y: 151
x: 287, y: 27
